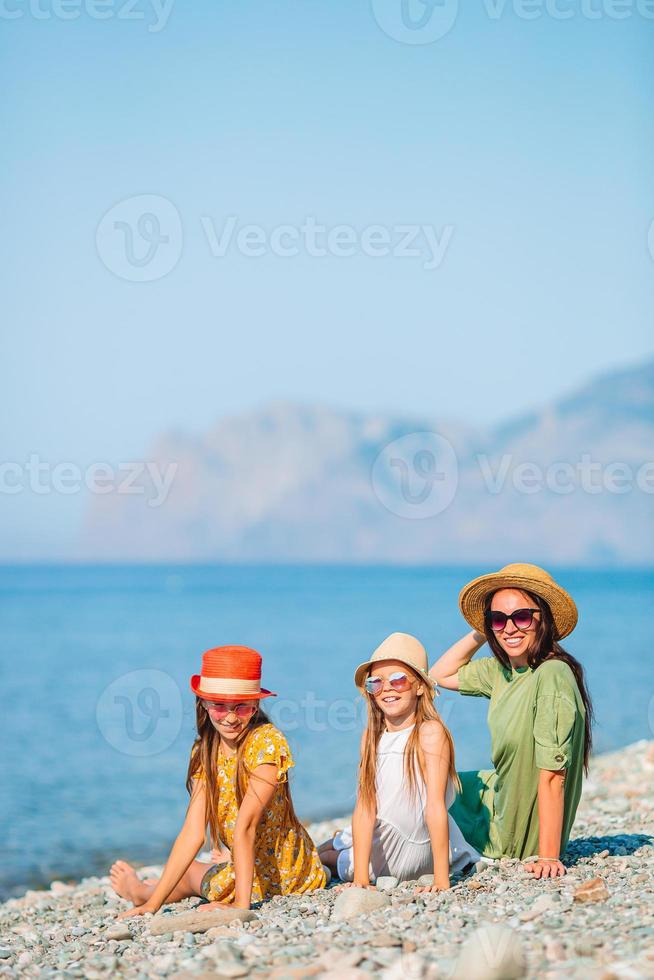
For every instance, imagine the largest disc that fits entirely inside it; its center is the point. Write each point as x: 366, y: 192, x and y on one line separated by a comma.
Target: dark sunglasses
x: 398, y: 681
x: 521, y: 619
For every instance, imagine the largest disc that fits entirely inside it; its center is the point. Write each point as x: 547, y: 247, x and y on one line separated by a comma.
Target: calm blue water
x: 98, y: 719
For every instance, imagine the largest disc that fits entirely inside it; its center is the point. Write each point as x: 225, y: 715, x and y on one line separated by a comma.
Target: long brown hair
x: 545, y: 648
x: 413, y: 756
x: 204, y: 759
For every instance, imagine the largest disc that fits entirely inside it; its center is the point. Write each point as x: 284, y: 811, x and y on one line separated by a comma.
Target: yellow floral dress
x: 285, y: 859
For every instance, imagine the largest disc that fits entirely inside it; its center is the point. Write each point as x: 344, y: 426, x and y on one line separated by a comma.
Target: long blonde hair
x: 204, y: 760
x: 413, y: 756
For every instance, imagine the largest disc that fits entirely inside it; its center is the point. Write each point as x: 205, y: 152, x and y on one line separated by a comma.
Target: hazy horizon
x: 235, y: 442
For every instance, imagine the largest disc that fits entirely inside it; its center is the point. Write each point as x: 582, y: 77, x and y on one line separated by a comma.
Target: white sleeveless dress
x: 401, y: 845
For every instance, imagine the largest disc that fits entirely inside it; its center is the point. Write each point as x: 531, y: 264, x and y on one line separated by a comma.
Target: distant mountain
x: 572, y: 483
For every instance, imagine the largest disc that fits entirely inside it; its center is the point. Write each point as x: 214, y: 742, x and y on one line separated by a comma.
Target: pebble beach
x: 497, y: 922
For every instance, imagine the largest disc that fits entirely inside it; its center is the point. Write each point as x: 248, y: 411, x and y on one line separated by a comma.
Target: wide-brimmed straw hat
x: 405, y: 648
x: 230, y: 674
x: 528, y: 578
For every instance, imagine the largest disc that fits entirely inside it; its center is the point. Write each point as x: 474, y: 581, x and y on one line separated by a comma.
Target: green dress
x: 537, y: 721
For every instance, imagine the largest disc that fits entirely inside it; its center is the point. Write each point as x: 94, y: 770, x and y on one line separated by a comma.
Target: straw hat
x: 529, y: 578
x: 230, y: 674
x: 405, y: 648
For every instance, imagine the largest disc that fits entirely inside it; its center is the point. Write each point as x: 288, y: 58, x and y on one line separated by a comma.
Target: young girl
x: 237, y: 780
x: 407, y: 778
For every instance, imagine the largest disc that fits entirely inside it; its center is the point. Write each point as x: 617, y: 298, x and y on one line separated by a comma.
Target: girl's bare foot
x: 126, y: 883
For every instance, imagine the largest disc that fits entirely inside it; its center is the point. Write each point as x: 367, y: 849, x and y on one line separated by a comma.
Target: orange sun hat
x: 230, y: 674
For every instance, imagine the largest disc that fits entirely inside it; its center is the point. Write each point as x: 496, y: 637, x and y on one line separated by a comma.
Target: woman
x: 238, y: 783
x: 407, y: 778
x: 539, y: 716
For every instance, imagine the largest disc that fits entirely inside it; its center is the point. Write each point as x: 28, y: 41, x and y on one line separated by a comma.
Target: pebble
x: 59, y: 888
x: 233, y: 969
x: 544, y: 903
x: 386, y: 883
x: 383, y: 940
x: 555, y: 951
x: 493, y: 952
x: 197, y: 921
x: 356, y: 901
x: 553, y: 934
x: 118, y: 933
x: 594, y: 890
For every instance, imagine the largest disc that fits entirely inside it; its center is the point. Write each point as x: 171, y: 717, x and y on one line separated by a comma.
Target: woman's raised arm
x: 445, y: 670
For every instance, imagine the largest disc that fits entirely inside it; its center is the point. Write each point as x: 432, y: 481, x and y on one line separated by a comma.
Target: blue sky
x: 525, y: 145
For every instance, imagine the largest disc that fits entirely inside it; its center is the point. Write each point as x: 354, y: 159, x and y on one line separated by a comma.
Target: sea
x: 98, y: 718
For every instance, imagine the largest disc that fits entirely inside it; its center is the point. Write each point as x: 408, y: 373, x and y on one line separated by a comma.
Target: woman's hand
x: 355, y: 884
x: 545, y: 868
x: 146, y: 909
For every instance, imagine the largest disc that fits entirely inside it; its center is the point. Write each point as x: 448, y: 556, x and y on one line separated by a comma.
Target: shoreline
x: 157, y: 854
x: 547, y: 927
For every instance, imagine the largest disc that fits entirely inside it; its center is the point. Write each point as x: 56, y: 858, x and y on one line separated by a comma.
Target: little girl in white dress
x: 407, y: 780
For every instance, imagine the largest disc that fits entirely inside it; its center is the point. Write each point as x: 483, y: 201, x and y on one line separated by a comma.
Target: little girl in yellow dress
x: 238, y: 783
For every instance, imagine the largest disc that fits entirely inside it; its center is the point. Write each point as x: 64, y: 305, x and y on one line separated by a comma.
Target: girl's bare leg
x: 329, y: 855
x: 126, y: 883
